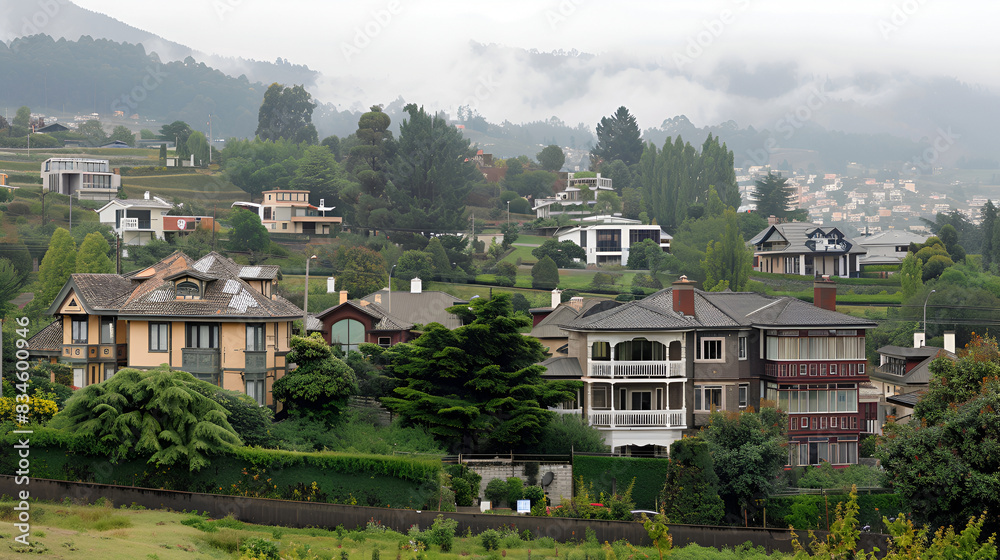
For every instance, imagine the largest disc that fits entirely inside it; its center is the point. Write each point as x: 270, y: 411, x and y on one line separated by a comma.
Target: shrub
x: 643, y: 280
x: 533, y: 493
x: 261, y: 548
x: 463, y: 492
x: 545, y: 274
x: 496, y: 491
x: 515, y: 490
x: 442, y: 532
x: 490, y: 538
x: 503, y: 281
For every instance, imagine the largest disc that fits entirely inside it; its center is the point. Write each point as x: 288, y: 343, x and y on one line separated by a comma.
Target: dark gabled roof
x: 565, y: 313
x: 384, y: 320
x: 419, y: 309
x: 49, y: 339
x: 920, y: 374
x: 909, y: 352
x: 96, y: 292
x: 908, y: 400
x: 562, y: 367
x: 796, y: 234
x: 718, y: 310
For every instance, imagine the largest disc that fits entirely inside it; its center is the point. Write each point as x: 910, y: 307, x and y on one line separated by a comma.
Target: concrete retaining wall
x: 562, y: 480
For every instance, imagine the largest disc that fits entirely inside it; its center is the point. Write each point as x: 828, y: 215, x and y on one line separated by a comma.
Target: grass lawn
x: 206, y: 189
x: 60, y: 530
x: 20, y: 167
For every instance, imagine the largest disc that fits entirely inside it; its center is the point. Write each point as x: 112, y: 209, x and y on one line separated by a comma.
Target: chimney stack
x: 919, y: 340
x: 949, y: 341
x: 576, y: 303
x: 825, y: 294
x: 378, y: 299
x: 556, y: 298
x: 683, y: 290
x: 416, y: 286
x: 343, y: 296
x: 331, y: 285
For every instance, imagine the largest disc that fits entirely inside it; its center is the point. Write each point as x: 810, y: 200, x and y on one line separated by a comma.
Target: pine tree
x: 93, y: 256
x: 439, y: 257
x: 618, y: 137
x: 57, y: 264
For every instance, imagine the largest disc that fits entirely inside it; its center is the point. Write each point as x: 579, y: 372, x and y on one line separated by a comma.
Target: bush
x: 533, y: 493
x: 463, y: 492
x: 503, y: 282
x: 496, y: 491
x: 642, y: 280
x: 442, y: 532
x: 261, y: 548
x: 490, y: 538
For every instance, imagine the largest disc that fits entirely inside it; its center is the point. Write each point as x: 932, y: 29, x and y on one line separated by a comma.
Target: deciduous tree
x: 728, y: 260
x: 562, y: 253
x: 286, y: 112
x: 361, y: 270
x: 123, y: 134
x: 545, y: 274
x: 551, y: 158
x: 93, y: 255
x: 248, y: 234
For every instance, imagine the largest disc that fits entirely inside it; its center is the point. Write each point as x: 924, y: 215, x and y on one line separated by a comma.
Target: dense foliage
x: 321, y: 383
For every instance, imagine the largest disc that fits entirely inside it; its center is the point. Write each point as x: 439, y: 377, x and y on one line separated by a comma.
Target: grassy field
x: 205, y: 189
x: 20, y: 167
x: 62, y: 530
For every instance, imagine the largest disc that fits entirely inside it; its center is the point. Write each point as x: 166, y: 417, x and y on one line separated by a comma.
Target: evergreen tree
x: 93, y: 255
x: 59, y: 262
x: 551, y: 158
x: 286, y: 112
x: 989, y: 220
x: 319, y: 173
x: 11, y: 281
x: 728, y: 260
x: 122, y: 133
x: 163, y: 155
x: 911, y: 276
x: 156, y: 414
x: 361, y: 269
x: 321, y: 384
x: 197, y: 145
x: 178, y: 131
x: 545, y: 274
x: 773, y: 196
x: 439, y: 258
x: 414, y: 264
x: 374, y: 150
x: 618, y: 137
x: 248, y: 234
x: 432, y: 174
x: 478, y: 381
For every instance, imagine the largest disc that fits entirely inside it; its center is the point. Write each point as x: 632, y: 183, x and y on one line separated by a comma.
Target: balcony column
x: 802, y: 264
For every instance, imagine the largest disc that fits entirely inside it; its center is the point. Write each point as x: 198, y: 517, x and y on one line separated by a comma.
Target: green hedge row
x: 650, y: 475
x: 370, y: 480
x: 891, y: 281
x: 809, y: 511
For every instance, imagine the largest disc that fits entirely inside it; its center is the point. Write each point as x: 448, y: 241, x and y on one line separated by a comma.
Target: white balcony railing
x: 637, y: 418
x: 130, y: 223
x: 637, y: 369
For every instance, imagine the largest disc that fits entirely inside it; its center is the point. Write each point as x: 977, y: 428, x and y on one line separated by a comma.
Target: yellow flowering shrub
x: 39, y: 409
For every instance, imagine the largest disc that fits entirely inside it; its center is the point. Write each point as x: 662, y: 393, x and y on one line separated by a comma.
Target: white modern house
x: 139, y: 221
x: 571, y: 201
x: 85, y: 179
x: 608, y: 239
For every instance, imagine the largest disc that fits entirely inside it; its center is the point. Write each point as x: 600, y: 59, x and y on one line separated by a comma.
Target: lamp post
x: 508, y: 212
x: 390, y: 287
x: 925, y: 314
x: 305, y: 303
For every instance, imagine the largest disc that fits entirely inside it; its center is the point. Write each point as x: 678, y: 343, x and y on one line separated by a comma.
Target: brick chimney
x: 683, y: 290
x: 378, y: 299
x: 576, y: 303
x: 343, y: 296
x: 825, y: 294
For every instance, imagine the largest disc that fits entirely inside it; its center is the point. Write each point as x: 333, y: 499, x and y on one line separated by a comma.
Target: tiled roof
x: 49, y: 339
x: 423, y: 308
x: 565, y: 313
x: 384, y: 320
x: 795, y: 234
x: 102, y: 291
x: 715, y: 310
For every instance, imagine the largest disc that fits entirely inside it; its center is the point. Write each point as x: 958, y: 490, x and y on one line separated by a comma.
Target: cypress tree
x: 57, y: 264
x: 545, y: 274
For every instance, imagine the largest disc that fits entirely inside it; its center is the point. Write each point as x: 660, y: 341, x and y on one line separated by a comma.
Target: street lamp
x: 390, y: 287
x: 925, y: 314
x: 508, y: 212
x: 305, y: 303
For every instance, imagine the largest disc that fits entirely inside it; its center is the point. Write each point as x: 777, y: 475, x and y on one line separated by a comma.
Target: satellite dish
x: 547, y: 478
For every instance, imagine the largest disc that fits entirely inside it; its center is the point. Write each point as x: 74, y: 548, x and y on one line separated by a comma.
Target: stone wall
x: 562, y: 479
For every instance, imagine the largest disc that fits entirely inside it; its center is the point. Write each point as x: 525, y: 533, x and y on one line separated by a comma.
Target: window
x: 109, y: 371
x: 812, y: 370
x: 822, y: 369
x: 784, y: 370
x: 202, y: 335
x: 384, y: 341
x: 802, y: 369
x: 284, y: 225
x: 640, y: 350
x: 711, y: 350
x: 642, y: 400
x: 744, y: 393
x: 600, y: 351
x: 804, y: 422
x: 861, y: 369
x: 833, y: 422
x: 255, y: 387
x: 107, y: 330
x: 600, y: 397
x: 255, y: 337
x: 79, y: 325
x: 707, y: 397
x: 158, y: 337
x: 833, y: 369
x: 187, y: 290
x: 348, y: 333
x: 743, y: 347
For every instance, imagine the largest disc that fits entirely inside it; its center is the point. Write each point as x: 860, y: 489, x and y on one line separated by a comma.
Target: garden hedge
x: 650, y: 475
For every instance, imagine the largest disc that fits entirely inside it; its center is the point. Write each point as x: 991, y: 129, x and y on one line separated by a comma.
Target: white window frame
x: 701, y: 399
x: 743, y: 346
x: 722, y: 349
x: 743, y: 392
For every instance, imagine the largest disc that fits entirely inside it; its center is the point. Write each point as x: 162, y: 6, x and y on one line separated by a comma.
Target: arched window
x: 640, y: 350
x: 187, y: 289
x: 348, y: 333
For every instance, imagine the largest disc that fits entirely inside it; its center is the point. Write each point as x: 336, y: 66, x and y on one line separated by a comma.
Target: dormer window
x: 188, y: 290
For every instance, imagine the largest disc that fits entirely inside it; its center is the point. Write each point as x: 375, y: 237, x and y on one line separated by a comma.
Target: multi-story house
x: 806, y: 249
x: 220, y: 321
x: 654, y: 370
x: 903, y: 375
x: 609, y: 239
x: 289, y: 211
x: 139, y: 221
x: 85, y: 179
x: 888, y: 247
x: 573, y: 200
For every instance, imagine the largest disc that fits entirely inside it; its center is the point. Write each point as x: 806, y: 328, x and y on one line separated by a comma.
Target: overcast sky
x: 709, y: 59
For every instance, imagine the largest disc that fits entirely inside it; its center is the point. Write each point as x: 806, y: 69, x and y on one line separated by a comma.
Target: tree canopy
x: 93, y: 255
x: 248, y: 233
x: 320, y: 385
x: 551, y: 158
x: 562, y: 253
x: 59, y: 262
x: 361, y: 270
x: 286, y: 112
x: 728, y: 262
x: 156, y: 413
x: 477, y: 387
x: 618, y: 137
x: 774, y: 198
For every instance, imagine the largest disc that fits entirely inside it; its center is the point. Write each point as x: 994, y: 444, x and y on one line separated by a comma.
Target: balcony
x: 635, y: 370
x: 637, y: 418
x: 200, y: 361
x: 256, y: 362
